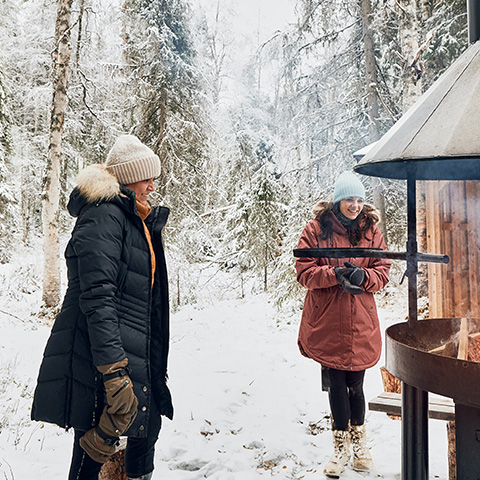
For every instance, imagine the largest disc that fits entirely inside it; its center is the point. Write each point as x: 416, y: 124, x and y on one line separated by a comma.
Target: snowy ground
x: 247, y: 404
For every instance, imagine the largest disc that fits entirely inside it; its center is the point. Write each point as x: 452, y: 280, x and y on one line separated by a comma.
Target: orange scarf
x: 143, y: 212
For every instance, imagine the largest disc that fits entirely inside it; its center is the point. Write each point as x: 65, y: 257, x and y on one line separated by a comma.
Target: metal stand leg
x: 414, y: 433
x: 467, y: 433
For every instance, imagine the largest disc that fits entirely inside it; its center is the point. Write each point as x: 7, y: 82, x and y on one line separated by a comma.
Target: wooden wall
x: 453, y: 228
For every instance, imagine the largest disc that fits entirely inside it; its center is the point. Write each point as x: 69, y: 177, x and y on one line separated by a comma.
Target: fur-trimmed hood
x: 94, y: 184
x: 368, y: 210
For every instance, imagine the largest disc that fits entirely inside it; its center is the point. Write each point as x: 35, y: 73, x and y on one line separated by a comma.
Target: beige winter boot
x: 362, y: 460
x: 341, y: 454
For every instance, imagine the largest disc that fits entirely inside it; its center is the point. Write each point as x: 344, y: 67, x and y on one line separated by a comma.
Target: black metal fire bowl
x: 408, y: 358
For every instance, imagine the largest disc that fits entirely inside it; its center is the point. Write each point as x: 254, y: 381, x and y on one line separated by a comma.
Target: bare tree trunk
x: 410, y: 46
x: 79, y: 35
x: 412, y: 91
x: 372, y: 105
x: 265, y: 270
x: 159, y: 145
x: 51, y: 194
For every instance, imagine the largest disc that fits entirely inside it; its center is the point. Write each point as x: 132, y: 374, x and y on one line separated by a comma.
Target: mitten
x: 343, y: 277
x: 357, y: 277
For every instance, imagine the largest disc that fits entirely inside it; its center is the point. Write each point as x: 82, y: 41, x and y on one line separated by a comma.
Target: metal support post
x: 414, y: 400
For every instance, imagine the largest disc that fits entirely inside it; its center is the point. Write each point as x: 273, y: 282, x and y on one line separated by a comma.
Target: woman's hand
x: 121, y: 399
x: 344, y: 277
x: 357, y: 277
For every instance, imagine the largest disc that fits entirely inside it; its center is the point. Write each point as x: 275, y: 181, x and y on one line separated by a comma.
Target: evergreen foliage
x: 446, y: 25
x: 168, y: 113
x: 251, y: 133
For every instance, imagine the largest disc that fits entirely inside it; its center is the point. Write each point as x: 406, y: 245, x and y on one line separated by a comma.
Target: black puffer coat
x: 110, y: 310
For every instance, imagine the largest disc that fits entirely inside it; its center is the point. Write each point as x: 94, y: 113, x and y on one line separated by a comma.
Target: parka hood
x: 94, y: 184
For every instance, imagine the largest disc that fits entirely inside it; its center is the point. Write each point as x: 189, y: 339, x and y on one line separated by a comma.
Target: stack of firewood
x: 461, y: 345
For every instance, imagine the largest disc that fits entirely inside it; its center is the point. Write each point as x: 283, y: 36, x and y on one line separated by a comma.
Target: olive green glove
x: 119, y: 388
x: 101, y: 442
x: 98, y: 445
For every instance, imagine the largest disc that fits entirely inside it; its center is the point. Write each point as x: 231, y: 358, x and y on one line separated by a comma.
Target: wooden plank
x: 459, y: 309
x: 463, y: 340
x: 433, y: 245
x: 438, y: 287
x: 391, y: 403
x: 445, y: 239
x: 471, y: 192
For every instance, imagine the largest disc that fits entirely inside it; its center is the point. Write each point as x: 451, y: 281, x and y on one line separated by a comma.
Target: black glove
x: 343, y: 277
x: 357, y: 277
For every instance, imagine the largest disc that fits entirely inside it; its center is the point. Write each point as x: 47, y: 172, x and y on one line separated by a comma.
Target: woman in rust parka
x: 340, y: 327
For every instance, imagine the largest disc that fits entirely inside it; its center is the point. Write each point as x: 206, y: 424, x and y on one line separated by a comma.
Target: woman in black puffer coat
x: 113, y: 329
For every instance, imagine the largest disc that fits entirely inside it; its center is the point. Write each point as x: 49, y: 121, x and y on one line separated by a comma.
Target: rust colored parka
x: 340, y: 330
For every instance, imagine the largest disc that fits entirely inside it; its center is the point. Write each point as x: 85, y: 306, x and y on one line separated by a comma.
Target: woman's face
x: 351, y: 207
x: 142, y: 189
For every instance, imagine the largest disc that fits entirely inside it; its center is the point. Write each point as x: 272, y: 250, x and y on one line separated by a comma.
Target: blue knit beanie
x: 348, y: 185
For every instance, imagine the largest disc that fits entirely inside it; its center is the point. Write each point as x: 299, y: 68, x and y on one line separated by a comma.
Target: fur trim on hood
x: 368, y: 210
x: 96, y: 183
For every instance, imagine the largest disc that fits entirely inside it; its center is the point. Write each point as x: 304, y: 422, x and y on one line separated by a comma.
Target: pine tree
x: 25, y: 36
x: 168, y: 113
x: 446, y: 36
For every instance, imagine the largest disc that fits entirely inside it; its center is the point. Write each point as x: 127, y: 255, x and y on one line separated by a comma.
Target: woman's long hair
x: 357, y: 228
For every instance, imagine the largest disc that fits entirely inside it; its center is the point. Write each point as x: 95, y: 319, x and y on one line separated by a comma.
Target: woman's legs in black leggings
x: 347, y: 400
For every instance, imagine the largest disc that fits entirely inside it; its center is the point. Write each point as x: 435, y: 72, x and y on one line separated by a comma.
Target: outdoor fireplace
x: 437, y: 139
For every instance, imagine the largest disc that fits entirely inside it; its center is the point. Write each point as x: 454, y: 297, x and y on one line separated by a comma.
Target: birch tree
x: 409, y: 35
x: 51, y: 194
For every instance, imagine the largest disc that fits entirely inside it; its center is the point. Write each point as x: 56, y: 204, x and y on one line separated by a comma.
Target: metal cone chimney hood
x: 438, y: 138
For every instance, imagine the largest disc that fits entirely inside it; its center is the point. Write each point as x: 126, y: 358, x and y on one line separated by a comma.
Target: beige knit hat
x: 131, y: 161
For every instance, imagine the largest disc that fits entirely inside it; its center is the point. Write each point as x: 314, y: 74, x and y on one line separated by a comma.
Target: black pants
x: 139, y: 453
x: 347, y: 400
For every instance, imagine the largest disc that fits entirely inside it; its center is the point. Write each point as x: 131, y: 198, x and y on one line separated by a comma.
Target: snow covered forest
x: 252, y: 125
x: 253, y: 116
